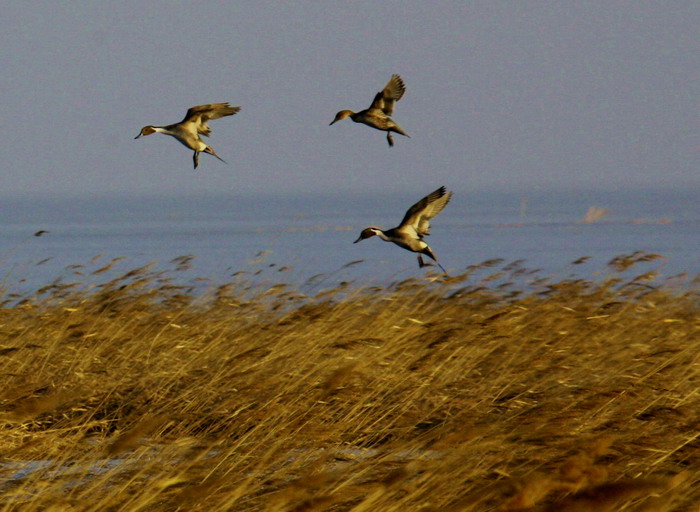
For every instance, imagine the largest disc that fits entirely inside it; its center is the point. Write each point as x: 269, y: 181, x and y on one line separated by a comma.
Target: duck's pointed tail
x: 428, y: 252
x: 211, y: 151
x: 397, y: 129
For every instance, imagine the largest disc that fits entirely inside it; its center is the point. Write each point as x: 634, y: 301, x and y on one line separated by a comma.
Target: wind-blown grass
x: 427, y: 394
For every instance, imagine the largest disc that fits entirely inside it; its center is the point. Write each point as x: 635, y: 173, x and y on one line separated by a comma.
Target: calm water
x: 312, y: 235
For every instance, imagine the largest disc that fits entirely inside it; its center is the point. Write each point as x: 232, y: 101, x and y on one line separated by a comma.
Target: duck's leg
x: 389, y: 139
x: 195, y: 158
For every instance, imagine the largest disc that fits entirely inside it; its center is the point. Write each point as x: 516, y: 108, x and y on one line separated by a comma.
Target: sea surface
x: 307, y: 240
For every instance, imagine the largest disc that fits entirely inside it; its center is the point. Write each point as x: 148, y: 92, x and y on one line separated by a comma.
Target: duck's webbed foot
x: 195, y: 158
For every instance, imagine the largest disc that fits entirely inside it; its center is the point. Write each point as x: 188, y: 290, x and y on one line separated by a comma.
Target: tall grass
x: 459, y: 394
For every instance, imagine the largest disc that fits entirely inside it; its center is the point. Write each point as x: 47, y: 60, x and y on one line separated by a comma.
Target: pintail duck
x: 194, y: 124
x: 379, y: 112
x: 414, y: 226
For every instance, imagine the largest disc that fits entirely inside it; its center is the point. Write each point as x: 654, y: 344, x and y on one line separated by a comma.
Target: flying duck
x: 378, y: 114
x: 194, y: 124
x: 414, y: 226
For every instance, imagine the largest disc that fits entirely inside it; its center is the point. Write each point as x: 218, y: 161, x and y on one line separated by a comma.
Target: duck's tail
x: 395, y: 128
x: 428, y: 252
x: 211, y: 151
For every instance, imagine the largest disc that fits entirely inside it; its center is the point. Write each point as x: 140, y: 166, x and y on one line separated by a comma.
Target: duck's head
x: 342, y: 115
x: 367, y: 233
x: 146, y: 130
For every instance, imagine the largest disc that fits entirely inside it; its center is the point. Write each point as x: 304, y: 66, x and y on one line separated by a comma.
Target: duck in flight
x: 194, y: 124
x: 414, y: 226
x: 378, y: 114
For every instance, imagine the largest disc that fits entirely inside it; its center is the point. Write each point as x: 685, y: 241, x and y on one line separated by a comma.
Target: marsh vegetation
x: 495, y: 390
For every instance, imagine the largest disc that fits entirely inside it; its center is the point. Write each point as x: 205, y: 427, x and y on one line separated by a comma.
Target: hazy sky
x: 524, y: 95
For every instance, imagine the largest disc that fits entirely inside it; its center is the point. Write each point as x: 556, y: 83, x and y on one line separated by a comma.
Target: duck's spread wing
x: 377, y: 102
x: 201, y: 114
x: 418, y: 216
x: 392, y: 92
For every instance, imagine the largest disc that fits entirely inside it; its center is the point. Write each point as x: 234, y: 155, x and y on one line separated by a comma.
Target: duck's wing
x: 417, y: 218
x: 392, y: 92
x: 201, y: 114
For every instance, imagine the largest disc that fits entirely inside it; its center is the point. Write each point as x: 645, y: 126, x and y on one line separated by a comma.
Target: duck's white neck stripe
x: 381, y: 234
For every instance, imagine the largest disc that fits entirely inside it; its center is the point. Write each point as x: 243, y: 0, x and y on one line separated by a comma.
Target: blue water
x: 290, y: 239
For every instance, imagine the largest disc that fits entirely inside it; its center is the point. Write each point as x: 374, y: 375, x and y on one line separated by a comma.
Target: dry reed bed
x: 430, y: 395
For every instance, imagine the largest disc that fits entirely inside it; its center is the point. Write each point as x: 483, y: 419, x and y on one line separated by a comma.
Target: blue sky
x: 523, y: 96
